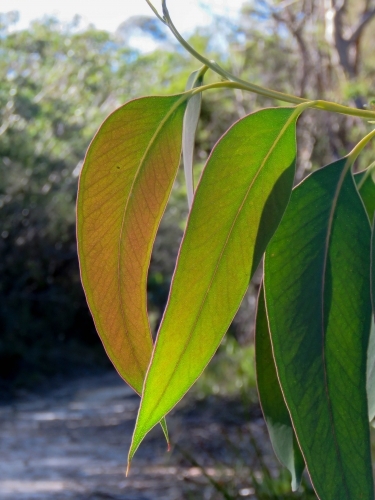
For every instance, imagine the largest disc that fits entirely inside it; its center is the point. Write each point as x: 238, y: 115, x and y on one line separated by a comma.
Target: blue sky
x: 108, y: 14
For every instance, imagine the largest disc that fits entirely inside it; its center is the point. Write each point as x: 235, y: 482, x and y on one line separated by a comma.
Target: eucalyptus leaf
x: 271, y: 398
x: 372, y: 274
x: 243, y: 192
x: 371, y: 346
x: 191, y: 119
x: 317, y: 291
x: 371, y: 373
x: 124, y: 186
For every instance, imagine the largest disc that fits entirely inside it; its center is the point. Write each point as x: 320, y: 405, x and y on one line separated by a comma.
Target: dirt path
x: 72, y: 444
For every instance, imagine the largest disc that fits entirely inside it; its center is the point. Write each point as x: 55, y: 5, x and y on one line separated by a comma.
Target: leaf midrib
x: 325, y: 262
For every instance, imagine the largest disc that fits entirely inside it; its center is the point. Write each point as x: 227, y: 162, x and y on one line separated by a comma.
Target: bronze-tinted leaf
x: 125, y: 183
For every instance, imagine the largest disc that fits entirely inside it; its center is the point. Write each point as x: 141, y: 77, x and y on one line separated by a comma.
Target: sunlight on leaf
x: 239, y: 202
x: 123, y: 190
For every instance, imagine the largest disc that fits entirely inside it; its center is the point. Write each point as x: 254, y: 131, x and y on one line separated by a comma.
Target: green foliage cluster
x: 57, y: 84
x: 314, y: 335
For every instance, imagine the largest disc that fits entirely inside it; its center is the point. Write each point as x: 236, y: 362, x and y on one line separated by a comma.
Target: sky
x: 108, y: 14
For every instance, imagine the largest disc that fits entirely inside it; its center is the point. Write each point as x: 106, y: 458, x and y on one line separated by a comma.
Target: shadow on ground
x: 72, y: 442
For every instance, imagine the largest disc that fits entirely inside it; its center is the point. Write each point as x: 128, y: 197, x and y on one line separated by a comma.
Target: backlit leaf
x: 125, y: 183
x: 272, y: 401
x: 317, y: 291
x: 191, y: 119
x: 238, y: 205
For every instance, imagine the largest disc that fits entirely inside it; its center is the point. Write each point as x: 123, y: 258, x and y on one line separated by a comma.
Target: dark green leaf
x: 317, y: 292
x: 371, y: 346
x: 371, y: 373
x: 272, y: 401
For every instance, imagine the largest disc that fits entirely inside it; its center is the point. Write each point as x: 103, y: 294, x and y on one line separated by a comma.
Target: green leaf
x: 125, y: 183
x: 372, y: 275
x: 191, y: 119
x: 371, y: 346
x: 370, y: 384
x: 239, y: 202
x: 366, y: 187
x: 317, y: 291
x: 272, y: 401
x: 365, y: 182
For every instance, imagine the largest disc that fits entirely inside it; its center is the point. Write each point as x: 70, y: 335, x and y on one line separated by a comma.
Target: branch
x: 156, y: 12
x: 365, y: 19
x: 341, y: 8
x: 250, y: 87
x: 296, y: 29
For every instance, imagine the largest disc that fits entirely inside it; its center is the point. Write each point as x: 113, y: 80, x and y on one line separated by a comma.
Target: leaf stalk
x: 237, y: 83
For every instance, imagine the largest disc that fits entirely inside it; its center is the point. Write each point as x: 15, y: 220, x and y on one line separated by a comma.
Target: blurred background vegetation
x: 58, y: 82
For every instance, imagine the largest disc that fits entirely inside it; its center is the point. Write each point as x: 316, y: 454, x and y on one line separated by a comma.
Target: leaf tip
x: 294, y: 484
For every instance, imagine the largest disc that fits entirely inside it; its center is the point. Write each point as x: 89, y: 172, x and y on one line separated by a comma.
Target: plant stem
x: 352, y: 156
x: 234, y: 82
x: 214, y: 483
x: 368, y: 172
x: 274, y: 94
x: 155, y: 12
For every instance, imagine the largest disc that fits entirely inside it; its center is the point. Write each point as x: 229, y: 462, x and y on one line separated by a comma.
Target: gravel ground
x: 71, y: 443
